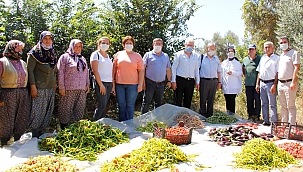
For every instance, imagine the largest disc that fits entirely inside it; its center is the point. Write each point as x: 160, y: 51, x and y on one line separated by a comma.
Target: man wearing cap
x: 185, y: 73
x: 249, y: 66
x: 289, y: 67
x: 266, y: 84
x: 157, y: 65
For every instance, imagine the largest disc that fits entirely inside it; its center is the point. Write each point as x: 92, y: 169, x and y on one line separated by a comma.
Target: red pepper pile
x: 293, y: 148
x: 176, y: 131
x: 176, y: 135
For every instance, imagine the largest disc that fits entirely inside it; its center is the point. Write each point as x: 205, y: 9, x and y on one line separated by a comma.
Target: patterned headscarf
x: 43, y: 53
x: 71, y: 52
x: 9, y: 51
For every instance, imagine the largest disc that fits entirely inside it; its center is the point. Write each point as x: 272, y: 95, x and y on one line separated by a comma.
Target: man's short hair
x: 269, y: 43
x: 284, y: 37
x: 157, y: 39
x: 211, y: 44
x: 189, y: 39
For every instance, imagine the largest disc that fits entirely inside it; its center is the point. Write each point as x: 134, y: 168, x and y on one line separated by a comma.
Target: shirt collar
x: 153, y: 52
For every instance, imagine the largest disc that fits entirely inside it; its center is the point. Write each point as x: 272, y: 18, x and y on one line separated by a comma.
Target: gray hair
x: 189, y: 39
x: 269, y: 43
x: 211, y: 44
x: 157, y: 39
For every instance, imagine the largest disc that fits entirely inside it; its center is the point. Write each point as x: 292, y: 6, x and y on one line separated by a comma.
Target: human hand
x: 174, y: 85
x: 62, y: 92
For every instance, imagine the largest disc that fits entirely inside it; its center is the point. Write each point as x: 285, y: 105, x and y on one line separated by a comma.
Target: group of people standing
x: 129, y: 73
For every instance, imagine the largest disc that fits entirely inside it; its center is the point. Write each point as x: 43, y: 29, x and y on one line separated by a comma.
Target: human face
x: 211, y: 48
x: 19, y: 48
x: 158, y: 43
x: 252, y: 52
x: 78, y: 48
x: 269, y: 49
x: 284, y: 41
x: 47, y: 40
x: 104, y: 41
x: 190, y: 44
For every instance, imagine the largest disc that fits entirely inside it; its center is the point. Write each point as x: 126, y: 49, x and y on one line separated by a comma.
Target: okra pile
x: 150, y: 128
x: 83, y: 140
x: 44, y: 164
x: 221, y: 118
x: 155, y: 154
x: 259, y: 154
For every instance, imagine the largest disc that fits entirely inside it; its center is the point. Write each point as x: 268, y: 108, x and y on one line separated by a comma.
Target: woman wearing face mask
x: 73, y: 84
x: 14, y: 98
x: 41, y: 61
x: 128, y: 75
x: 102, y: 67
x: 231, y: 79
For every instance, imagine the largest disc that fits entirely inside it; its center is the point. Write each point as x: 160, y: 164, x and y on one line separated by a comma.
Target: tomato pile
x: 281, y: 131
x: 176, y: 135
x: 295, y: 149
x: 296, y: 133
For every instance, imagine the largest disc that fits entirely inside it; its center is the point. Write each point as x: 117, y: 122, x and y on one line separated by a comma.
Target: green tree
x: 3, y: 13
x: 260, y: 19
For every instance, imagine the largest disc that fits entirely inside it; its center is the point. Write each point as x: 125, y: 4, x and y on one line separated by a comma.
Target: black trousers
x: 230, y: 100
x: 184, y: 91
x: 253, y: 102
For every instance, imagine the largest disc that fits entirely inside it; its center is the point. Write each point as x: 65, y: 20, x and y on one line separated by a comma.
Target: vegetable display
x: 155, y: 154
x: 83, y: 140
x: 190, y: 121
x: 221, y: 118
x: 44, y: 164
x: 150, y: 128
x: 235, y: 136
x: 259, y: 154
x: 295, y: 149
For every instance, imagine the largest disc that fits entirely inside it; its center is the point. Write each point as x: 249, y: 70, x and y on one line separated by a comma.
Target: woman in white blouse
x: 231, y: 79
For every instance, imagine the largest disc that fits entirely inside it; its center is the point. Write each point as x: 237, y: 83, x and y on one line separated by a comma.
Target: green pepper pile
x: 259, y: 154
x: 155, y: 154
x: 150, y: 128
x: 83, y: 140
x: 221, y: 118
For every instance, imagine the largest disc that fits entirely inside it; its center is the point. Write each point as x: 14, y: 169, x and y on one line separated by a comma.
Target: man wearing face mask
x: 249, y: 66
x: 185, y: 73
x: 289, y: 67
x: 267, y: 83
x: 210, y: 80
x: 157, y: 66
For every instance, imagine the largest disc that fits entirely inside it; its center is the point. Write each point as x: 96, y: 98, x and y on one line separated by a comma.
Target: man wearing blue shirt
x: 185, y: 74
x: 210, y: 80
x: 157, y: 65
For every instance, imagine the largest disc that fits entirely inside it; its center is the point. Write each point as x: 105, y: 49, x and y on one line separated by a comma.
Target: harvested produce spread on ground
x: 235, y: 135
x: 83, y: 140
x: 190, y: 121
x: 43, y: 164
x: 295, y: 149
x: 259, y: 154
x: 221, y: 118
x: 150, y: 128
x: 155, y: 154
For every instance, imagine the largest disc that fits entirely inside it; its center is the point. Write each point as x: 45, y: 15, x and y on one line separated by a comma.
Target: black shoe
x: 266, y: 123
x: 251, y: 118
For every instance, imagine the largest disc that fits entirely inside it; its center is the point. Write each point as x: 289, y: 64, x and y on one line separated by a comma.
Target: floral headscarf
x: 43, y: 53
x: 9, y: 51
x: 71, y: 52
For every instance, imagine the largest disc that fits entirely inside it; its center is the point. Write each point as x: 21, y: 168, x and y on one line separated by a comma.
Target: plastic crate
x: 295, y: 132
x: 174, y: 139
x: 280, y: 129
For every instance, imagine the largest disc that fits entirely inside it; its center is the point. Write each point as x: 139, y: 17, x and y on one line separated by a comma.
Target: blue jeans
x: 102, y: 100
x: 126, y: 97
x: 268, y: 100
x: 152, y: 90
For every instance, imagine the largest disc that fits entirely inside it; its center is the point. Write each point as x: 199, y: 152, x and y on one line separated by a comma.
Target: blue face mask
x: 188, y: 49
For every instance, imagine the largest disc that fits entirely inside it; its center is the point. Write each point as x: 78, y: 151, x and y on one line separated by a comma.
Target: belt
x: 188, y: 79
x: 154, y: 81
x: 284, y: 81
x: 267, y: 81
x: 209, y: 78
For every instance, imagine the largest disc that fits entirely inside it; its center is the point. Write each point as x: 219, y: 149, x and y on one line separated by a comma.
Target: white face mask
x: 231, y: 54
x: 211, y: 52
x: 104, y: 47
x: 46, y: 47
x: 129, y: 47
x: 157, y: 49
x: 284, y: 47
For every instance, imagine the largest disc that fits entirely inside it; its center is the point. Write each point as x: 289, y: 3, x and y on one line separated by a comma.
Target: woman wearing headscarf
x: 102, y: 67
x: 14, y: 98
x: 73, y: 83
x: 231, y: 79
x: 41, y: 61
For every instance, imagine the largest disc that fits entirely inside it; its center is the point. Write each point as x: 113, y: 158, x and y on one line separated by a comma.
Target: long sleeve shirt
x: 231, y: 84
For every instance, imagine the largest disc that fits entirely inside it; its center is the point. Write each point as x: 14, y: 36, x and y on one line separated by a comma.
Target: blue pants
x: 126, y: 97
x: 268, y: 100
x: 102, y: 99
x: 152, y: 90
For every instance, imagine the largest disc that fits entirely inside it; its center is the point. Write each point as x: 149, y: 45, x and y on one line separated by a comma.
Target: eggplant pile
x: 235, y: 136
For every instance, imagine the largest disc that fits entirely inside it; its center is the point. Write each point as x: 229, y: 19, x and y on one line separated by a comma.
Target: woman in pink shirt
x: 128, y: 75
x: 73, y: 83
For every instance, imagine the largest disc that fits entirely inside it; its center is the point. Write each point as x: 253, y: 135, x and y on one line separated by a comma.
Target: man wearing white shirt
x: 267, y: 83
x: 185, y: 74
x: 289, y: 67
